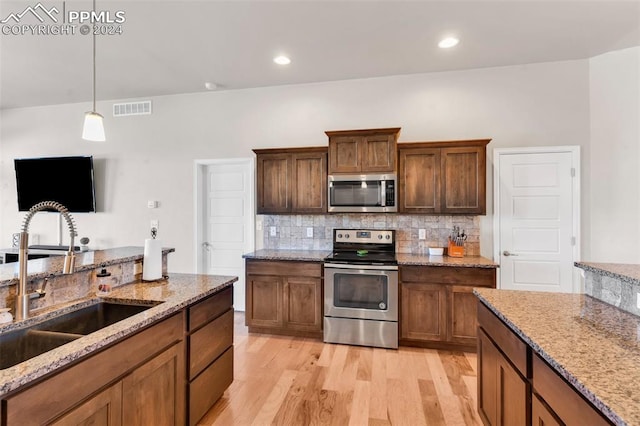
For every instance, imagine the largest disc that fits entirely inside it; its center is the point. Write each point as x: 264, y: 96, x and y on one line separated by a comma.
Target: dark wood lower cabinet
x: 424, y: 312
x: 438, y: 307
x: 170, y: 373
x: 502, y: 391
x: 210, y: 362
x: 284, y: 297
x: 153, y: 394
x: 517, y: 387
x: 103, y: 409
x: 541, y: 415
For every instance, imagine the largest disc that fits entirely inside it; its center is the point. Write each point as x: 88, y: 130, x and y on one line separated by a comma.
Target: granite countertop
x: 300, y: 255
x: 40, y: 268
x: 625, y: 272
x: 168, y: 296
x: 426, y: 260
x: 403, y: 258
x: 593, y: 345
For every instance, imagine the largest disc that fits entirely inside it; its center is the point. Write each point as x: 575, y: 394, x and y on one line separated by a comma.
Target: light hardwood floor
x: 296, y: 381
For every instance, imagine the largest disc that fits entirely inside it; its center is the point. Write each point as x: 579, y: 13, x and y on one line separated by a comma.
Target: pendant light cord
x: 94, y: 55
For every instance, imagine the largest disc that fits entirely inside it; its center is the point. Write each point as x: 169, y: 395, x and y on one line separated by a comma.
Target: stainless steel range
x: 361, y: 289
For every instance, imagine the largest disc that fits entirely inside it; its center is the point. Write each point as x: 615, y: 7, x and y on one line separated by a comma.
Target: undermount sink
x: 20, y: 345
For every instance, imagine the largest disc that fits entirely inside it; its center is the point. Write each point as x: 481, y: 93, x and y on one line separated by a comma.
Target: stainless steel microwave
x: 366, y: 193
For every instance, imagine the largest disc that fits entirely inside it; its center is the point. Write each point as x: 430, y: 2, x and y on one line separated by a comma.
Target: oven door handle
x: 361, y: 267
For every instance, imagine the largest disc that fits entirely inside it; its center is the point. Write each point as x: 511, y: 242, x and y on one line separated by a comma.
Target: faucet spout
x: 22, y: 298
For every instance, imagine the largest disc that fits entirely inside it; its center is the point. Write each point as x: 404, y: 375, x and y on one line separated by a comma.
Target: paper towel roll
x: 152, y: 261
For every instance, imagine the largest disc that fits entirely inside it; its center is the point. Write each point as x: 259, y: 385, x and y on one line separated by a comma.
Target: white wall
x: 615, y: 156
x: 151, y: 157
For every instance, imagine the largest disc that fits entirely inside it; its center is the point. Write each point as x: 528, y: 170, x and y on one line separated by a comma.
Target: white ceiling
x: 170, y: 47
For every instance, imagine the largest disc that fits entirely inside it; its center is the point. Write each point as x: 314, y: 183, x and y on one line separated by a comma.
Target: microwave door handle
x: 383, y: 193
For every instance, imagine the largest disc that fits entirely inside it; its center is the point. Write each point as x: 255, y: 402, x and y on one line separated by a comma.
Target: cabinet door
x: 344, y: 154
x: 423, y: 312
x: 488, y: 356
x: 309, y: 183
x: 153, y: 394
x: 513, y: 393
x: 273, y: 183
x: 502, y: 392
x: 419, y: 180
x: 104, y: 409
x: 378, y: 153
x: 463, y: 172
x: 303, y: 301
x: 463, y: 323
x: 264, y: 301
x: 541, y: 415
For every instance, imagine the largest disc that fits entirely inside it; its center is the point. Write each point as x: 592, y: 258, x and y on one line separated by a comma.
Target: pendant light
x: 93, y: 129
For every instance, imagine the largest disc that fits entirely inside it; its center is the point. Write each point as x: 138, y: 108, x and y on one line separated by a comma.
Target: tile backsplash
x: 291, y: 230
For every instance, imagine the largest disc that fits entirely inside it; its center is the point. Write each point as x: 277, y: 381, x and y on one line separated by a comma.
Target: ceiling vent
x: 132, y: 108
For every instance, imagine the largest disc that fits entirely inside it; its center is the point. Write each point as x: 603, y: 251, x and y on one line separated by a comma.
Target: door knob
x: 506, y: 253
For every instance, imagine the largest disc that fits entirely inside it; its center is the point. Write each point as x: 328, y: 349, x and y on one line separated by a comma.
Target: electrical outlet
x: 272, y: 231
x: 309, y: 232
x: 154, y: 224
x: 422, y: 234
x: 259, y: 225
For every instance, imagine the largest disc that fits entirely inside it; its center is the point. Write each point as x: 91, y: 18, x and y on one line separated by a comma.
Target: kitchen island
x: 588, y: 351
x: 178, y: 353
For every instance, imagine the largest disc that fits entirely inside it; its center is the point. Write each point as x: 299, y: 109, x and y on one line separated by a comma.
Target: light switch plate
x: 272, y: 231
x: 259, y: 225
x: 309, y: 232
x: 422, y: 234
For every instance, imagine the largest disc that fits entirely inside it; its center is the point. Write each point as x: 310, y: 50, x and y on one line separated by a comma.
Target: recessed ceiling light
x: 448, y: 42
x: 282, y: 60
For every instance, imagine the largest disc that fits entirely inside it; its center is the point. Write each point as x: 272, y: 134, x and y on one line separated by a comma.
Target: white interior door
x: 537, y: 218
x: 226, y: 219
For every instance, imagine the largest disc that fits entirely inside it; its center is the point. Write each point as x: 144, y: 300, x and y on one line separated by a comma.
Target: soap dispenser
x: 104, y: 282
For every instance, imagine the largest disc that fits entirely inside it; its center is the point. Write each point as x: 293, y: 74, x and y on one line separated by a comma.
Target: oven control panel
x: 370, y: 236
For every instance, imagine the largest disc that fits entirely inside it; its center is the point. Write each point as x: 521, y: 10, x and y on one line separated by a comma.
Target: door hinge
x: 573, y: 172
x: 573, y: 241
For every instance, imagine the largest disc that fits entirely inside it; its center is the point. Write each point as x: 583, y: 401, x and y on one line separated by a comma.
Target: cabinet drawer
x: 209, y: 386
x: 210, y: 308
x: 510, y: 344
x: 209, y: 342
x: 563, y: 399
x: 292, y: 269
x: 477, y: 277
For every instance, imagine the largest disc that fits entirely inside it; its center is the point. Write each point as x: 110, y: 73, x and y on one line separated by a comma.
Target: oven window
x: 360, y: 291
x: 355, y: 193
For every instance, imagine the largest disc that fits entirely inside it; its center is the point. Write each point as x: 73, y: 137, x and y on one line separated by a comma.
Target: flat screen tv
x: 67, y: 180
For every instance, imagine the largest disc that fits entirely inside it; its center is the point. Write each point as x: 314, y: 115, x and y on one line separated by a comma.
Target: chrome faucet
x: 22, y: 298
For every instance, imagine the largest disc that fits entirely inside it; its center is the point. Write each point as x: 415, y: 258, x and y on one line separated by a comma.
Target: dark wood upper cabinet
x: 360, y: 151
x: 291, y: 180
x: 419, y: 180
x: 443, y: 177
x: 274, y: 184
